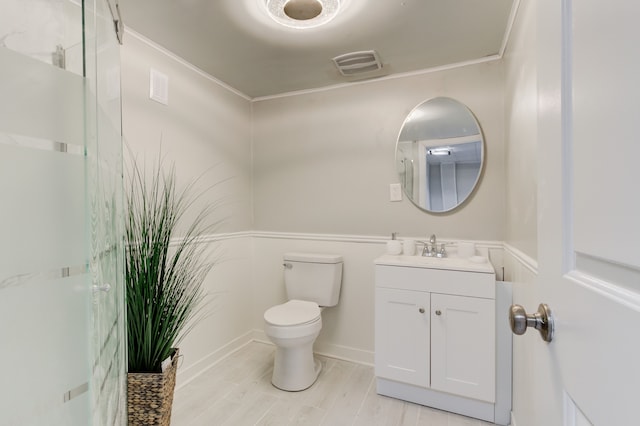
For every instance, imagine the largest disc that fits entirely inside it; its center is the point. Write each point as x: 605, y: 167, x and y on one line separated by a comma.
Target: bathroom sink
x: 479, y: 264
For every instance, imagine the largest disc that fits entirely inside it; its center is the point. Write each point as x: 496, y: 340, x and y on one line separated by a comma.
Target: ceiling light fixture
x: 439, y: 151
x: 302, y: 13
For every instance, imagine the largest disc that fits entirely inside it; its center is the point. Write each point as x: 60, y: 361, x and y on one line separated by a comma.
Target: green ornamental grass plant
x: 164, y: 271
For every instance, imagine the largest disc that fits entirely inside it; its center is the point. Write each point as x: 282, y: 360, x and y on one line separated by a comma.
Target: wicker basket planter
x: 150, y: 396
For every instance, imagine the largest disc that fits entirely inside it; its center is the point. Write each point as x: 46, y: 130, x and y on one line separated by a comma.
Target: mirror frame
x: 483, y: 148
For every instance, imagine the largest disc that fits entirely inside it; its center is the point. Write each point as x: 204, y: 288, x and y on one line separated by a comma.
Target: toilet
x: 312, y: 282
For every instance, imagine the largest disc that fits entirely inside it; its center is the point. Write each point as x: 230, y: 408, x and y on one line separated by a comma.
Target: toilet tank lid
x: 313, y: 257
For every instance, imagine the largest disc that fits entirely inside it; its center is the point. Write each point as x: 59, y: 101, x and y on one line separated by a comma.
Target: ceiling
x: 236, y: 41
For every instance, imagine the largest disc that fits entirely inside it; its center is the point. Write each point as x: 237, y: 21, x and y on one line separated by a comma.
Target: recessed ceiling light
x: 302, y: 13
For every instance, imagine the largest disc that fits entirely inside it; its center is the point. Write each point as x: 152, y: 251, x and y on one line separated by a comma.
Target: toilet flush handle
x: 287, y: 265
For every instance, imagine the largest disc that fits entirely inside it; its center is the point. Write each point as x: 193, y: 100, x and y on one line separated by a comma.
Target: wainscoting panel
x: 249, y: 280
x: 522, y: 271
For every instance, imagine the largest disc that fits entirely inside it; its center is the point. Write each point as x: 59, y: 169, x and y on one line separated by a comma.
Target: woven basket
x: 150, y: 396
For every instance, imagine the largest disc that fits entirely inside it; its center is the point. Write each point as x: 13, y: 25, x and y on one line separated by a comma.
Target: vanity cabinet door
x: 463, y: 346
x: 402, y: 335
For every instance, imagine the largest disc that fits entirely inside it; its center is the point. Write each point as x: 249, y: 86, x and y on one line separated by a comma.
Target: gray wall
x: 205, y: 130
x: 522, y: 174
x: 521, y: 133
x: 323, y: 161
x: 312, y: 163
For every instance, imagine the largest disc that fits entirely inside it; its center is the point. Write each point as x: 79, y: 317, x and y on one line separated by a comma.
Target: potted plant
x: 165, y: 267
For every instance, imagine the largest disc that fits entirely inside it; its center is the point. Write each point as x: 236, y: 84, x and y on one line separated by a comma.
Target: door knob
x: 541, y: 321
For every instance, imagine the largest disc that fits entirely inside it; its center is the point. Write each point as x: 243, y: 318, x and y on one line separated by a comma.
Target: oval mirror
x: 439, y: 154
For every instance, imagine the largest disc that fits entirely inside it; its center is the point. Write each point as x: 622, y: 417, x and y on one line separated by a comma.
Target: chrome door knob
x: 541, y: 321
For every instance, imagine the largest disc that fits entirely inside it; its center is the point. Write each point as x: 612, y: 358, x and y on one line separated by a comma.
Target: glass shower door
x: 105, y: 208
x: 62, y: 349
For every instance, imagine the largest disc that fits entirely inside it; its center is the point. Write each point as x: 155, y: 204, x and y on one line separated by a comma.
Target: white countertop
x: 478, y: 264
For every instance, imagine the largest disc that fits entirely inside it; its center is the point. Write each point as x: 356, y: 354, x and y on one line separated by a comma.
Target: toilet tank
x: 313, y: 277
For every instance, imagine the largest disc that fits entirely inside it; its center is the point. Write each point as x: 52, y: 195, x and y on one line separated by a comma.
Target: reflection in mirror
x: 439, y: 155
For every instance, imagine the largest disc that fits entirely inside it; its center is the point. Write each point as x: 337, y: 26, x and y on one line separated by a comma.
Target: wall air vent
x: 354, y: 63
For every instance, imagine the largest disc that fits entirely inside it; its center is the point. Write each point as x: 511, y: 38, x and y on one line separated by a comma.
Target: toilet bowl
x: 312, y: 281
x: 293, y: 327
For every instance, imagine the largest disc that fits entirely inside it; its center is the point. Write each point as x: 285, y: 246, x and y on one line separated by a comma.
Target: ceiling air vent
x: 355, y: 63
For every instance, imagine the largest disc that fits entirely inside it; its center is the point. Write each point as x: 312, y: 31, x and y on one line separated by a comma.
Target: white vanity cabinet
x: 436, y: 338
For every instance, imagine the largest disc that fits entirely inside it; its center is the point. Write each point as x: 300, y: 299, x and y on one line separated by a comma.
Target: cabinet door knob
x: 438, y: 312
x: 421, y: 310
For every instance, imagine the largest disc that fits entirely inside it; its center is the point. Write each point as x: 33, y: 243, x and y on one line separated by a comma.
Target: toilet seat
x: 293, y: 313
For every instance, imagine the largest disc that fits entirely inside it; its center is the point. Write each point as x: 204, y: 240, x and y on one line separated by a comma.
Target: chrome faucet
x: 430, y: 249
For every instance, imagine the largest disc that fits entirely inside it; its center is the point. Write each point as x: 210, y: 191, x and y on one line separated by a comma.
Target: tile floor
x: 238, y: 392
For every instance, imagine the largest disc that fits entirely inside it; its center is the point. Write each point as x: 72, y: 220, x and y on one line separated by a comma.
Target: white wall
x: 521, y: 109
x: 348, y: 328
x: 205, y: 130
x: 522, y: 271
x: 323, y: 161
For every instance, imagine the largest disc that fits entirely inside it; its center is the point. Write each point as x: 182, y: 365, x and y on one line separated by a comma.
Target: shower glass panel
x: 61, y: 291
x: 104, y: 202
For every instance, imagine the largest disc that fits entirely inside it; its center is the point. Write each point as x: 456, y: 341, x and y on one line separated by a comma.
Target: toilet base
x: 295, y: 369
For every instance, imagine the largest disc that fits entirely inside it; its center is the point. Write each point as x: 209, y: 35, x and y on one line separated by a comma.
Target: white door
x: 588, y: 213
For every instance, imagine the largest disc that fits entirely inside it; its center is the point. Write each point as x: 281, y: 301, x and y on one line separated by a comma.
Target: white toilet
x: 312, y: 282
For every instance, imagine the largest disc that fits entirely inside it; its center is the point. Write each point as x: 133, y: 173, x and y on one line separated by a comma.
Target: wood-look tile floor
x: 238, y: 392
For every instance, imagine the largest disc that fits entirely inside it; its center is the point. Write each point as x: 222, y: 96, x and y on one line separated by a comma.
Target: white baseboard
x: 513, y: 420
x: 258, y: 335
x: 345, y: 353
x: 205, y: 363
